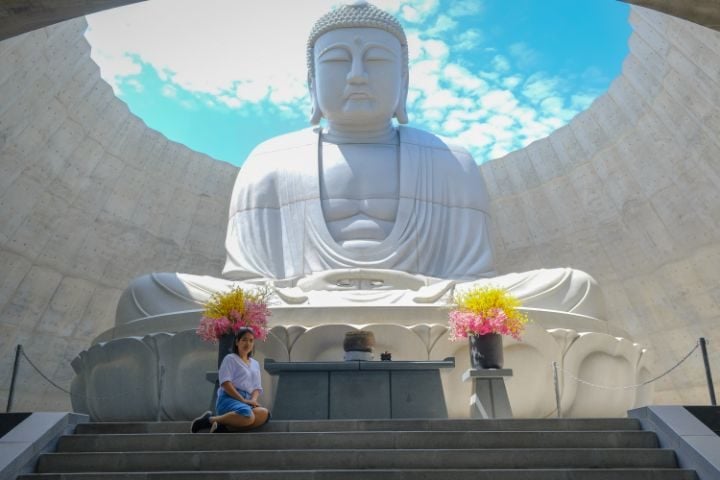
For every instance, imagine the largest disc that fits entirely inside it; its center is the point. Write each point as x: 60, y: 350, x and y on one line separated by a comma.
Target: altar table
x: 358, y: 389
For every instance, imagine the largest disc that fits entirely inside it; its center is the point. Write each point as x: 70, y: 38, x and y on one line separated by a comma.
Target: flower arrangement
x: 228, y: 312
x: 484, y: 310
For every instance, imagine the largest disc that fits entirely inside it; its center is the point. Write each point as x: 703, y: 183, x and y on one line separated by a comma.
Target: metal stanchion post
x: 161, y: 379
x: 708, y: 373
x: 18, y: 349
x: 557, y: 388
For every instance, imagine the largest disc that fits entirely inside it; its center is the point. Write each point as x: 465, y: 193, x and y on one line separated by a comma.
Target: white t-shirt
x: 243, y: 376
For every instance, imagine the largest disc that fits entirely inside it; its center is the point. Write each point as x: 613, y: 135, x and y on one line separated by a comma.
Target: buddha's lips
x: 357, y: 95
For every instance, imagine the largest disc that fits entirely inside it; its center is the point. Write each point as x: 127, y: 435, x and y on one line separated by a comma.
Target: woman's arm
x: 255, y: 394
x: 232, y: 391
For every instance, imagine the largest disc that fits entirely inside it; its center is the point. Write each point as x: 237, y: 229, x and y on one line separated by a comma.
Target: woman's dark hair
x: 240, y: 333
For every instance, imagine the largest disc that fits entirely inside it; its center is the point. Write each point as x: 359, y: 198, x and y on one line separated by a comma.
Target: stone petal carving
x: 457, y: 393
x: 400, y: 341
x: 134, y: 365
x: 120, y: 379
x: 531, y: 388
x: 644, y: 394
x: 184, y: 360
x: 322, y: 343
x: 273, y: 347
x: 605, y: 361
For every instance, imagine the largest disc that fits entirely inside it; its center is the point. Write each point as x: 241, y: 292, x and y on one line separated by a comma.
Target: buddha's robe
x: 277, y: 234
x: 277, y: 229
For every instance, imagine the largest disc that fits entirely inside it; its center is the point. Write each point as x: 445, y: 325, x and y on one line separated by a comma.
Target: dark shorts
x: 225, y: 404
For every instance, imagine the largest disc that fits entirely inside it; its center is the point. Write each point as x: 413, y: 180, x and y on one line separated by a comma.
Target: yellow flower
x: 222, y: 303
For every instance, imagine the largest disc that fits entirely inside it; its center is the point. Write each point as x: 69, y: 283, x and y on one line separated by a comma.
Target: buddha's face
x: 358, y: 76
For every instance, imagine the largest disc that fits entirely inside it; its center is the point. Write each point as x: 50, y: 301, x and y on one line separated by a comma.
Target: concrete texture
x: 90, y: 198
x: 630, y: 188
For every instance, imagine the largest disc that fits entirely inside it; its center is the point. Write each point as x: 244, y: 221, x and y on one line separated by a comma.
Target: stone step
x: 409, y: 474
x: 356, y: 440
x: 520, y: 424
x: 532, y: 458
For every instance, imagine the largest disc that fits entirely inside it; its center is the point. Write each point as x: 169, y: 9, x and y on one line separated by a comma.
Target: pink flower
x: 464, y: 323
x: 253, y: 315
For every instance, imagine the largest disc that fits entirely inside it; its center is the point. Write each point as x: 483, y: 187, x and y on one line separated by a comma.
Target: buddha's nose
x: 357, y: 73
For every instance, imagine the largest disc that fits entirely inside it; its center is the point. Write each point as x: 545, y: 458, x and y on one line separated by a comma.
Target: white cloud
x: 134, y: 84
x: 251, y: 91
x: 169, y: 91
x: 114, y: 65
x: 435, y: 48
x: 511, y: 81
x: 524, y: 56
x: 442, y: 24
x: 499, y: 100
x: 461, y: 8
x: 417, y: 11
x: 582, y: 101
x: 540, y: 86
x: 203, y: 47
x: 461, y: 78
x: 453, y: 125
x: 468, y: 39
x: 500, y: 63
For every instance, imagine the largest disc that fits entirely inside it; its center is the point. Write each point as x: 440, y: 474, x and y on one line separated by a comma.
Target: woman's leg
x: 261, y: 417
x: 234, y: 420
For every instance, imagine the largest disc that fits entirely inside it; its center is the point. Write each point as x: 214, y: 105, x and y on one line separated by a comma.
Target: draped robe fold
x: 277, y: 229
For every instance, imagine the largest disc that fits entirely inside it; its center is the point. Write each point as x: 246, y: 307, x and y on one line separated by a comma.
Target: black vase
x: 486, y: 351
x: 225, y: 344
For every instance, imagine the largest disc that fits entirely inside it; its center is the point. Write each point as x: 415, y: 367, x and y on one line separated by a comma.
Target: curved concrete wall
x: 89, y: 198
x: 630, y: 192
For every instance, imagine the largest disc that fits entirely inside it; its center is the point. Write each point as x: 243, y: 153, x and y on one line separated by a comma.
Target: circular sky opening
x: 220, y: 76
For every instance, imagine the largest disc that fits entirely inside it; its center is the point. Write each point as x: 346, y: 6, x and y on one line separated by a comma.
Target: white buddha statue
x: 360, y: 211
x: 362, y: 223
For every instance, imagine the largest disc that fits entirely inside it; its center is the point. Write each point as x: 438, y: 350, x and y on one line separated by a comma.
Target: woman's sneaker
x: 201, y: 423
x: 218, y: 428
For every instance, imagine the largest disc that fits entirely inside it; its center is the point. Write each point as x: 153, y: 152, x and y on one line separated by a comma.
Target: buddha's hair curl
x: 359, y: 14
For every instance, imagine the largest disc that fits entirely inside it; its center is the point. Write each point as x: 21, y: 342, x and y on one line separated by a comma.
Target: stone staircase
x: 517, y: 449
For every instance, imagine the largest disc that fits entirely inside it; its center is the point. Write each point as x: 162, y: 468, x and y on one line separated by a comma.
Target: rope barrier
x: 22, y: 352
x: 637, y: 385
x: 84, y: 398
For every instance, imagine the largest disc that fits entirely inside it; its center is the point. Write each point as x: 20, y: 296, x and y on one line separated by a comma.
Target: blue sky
x: 220, y: 76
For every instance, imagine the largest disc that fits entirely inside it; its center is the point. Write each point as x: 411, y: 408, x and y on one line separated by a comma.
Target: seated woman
x: 237, y: 404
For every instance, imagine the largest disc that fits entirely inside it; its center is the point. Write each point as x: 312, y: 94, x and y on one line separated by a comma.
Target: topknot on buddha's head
x: 359, y: 14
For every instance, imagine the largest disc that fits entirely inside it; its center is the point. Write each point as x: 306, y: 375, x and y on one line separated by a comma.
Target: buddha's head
x: 357, y: 60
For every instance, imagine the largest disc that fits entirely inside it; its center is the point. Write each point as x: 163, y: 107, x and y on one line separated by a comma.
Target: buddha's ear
x: 401, y: 110
x: 315, y: 113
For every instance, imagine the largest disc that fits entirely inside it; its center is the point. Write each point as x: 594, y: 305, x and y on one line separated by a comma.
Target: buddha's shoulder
x: 426, y: 139
x: 306, y: 137
x: 280, y: 156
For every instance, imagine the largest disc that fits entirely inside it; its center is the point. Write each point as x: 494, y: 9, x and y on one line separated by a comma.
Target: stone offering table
x: 489, y: 397
x: 358, y: 389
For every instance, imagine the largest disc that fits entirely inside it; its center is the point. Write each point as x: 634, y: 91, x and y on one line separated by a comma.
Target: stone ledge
x: 39, y: 433
x: 696, y: 446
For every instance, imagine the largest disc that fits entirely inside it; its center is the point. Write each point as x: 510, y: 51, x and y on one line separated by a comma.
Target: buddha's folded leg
x: 166, y: 292
x: 560, y: 289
